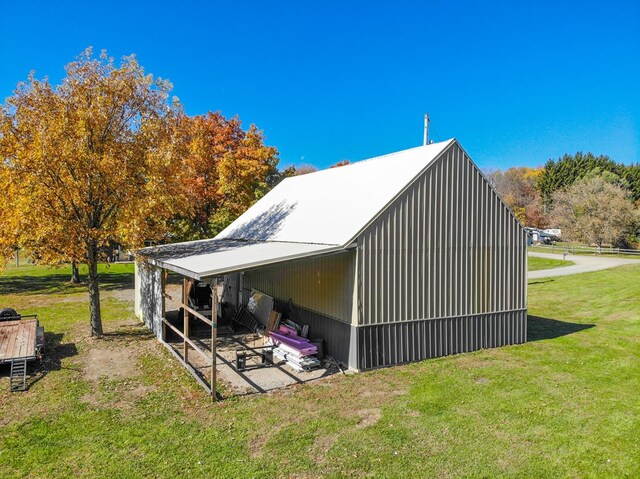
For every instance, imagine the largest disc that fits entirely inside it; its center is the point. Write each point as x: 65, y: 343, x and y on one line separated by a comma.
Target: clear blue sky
x: 515, y: 82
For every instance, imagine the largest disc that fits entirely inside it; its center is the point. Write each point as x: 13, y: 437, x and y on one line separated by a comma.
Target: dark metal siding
x: 322, y: 291
x: 322, y: 283
x: 394, y: 343
x: 447, y: 247
x: 336, y: 334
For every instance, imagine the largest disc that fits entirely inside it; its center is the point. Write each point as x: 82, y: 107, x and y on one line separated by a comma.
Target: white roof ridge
x: 276, y: 241
x: 367, y: 160
x: 332, y: 206
x: 447, y: 144
x: 393, y: 153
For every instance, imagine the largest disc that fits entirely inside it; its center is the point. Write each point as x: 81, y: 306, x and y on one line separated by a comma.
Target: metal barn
x: 395, y: 259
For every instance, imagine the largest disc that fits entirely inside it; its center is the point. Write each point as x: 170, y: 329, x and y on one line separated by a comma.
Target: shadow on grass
x: 544, y: 328
x: 130, y: 332
x: 59, y: 283
x: 542, y: 281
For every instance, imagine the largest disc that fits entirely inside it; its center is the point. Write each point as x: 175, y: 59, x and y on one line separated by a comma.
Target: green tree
x: 562, y: 173
x: 631, y: 174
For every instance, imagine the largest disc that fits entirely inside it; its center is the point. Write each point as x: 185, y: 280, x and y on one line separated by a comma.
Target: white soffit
x: 231, y: 256
x: 332, y: 206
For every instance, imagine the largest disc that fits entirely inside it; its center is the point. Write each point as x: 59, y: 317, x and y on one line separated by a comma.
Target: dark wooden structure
x: 188, y: 343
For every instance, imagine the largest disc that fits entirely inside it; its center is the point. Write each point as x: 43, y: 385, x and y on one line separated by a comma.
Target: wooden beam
x: 214, y: 339
x: 165, y: 295
x: 188, y: 367
x: 163, y: 286
x: 187, y: 340
x: 198, y: 315
x: 186, y: 289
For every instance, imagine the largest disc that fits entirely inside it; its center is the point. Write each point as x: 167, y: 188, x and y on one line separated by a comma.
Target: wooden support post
x: 206, y: 356
x: 163, y: 285
x: 186, y: 288
x: 214, y: 338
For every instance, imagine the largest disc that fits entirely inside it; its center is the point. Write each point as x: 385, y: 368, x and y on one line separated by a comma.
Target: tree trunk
x: 75, y: 274
x: 94, y: 291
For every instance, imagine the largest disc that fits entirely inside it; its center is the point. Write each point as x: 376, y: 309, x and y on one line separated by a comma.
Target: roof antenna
x: 426, y: 129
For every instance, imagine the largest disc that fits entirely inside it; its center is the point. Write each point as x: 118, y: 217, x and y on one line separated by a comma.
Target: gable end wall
x: 445, y: 251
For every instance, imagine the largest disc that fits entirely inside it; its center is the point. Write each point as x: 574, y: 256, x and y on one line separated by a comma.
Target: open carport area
x: 258, y: 373
x: 208, y: 305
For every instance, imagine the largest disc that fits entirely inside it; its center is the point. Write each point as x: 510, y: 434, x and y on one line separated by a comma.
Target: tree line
x: 592, y: 199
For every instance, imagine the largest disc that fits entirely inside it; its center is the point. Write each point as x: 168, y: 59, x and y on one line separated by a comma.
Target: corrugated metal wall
x: 445, y: 248
x: 336, y: 334
x: 324, y: 284
x: 395, y: 343
x: 148, y: 297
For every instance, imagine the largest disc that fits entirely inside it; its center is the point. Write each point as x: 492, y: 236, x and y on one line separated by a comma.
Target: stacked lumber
x: 298, y: 352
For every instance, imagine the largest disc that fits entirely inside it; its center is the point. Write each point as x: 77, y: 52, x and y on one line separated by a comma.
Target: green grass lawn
x: 565, y: 404
x: 536, y: 264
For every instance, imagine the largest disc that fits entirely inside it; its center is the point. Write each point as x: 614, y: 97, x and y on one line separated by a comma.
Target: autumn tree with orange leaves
x: 225, y: 170
x: 341, y: 163
x: 88, y: 163
x: 518, y: 188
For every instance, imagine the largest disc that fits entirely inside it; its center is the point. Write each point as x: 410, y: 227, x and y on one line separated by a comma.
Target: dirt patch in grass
x: 112, y: 366
x: 322, y: 444
x: 111, y: 363
x: 118, y: 396
x: 474, y: 361
x: 481, y: 380
x: 380, y: 393
x: 368, y: 417
x: 257, y: 442
x: 127, y: 294
x: 321, y: 447
x: 381, y: 386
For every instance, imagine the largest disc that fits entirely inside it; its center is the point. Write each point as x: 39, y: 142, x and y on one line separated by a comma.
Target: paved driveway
x: 583, y: 264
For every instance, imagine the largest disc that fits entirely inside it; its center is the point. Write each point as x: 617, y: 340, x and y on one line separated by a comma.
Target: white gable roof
x: 332, y: 206
x: 313, y: 214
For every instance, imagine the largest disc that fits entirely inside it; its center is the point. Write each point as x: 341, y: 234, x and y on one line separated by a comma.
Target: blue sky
x: 516, y: 82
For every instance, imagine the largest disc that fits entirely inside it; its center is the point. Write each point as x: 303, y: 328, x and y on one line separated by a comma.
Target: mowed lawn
x: 536, y: 264
x: 565, y: 404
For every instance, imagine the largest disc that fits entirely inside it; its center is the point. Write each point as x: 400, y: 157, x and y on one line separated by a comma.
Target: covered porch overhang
x: 203, y: 261
x: 207, y: 258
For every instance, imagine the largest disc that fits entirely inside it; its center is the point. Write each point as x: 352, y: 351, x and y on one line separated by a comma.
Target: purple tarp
x: 303, y: 345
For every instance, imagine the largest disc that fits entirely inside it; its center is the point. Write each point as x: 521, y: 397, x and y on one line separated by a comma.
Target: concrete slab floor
x: 255, y: 379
